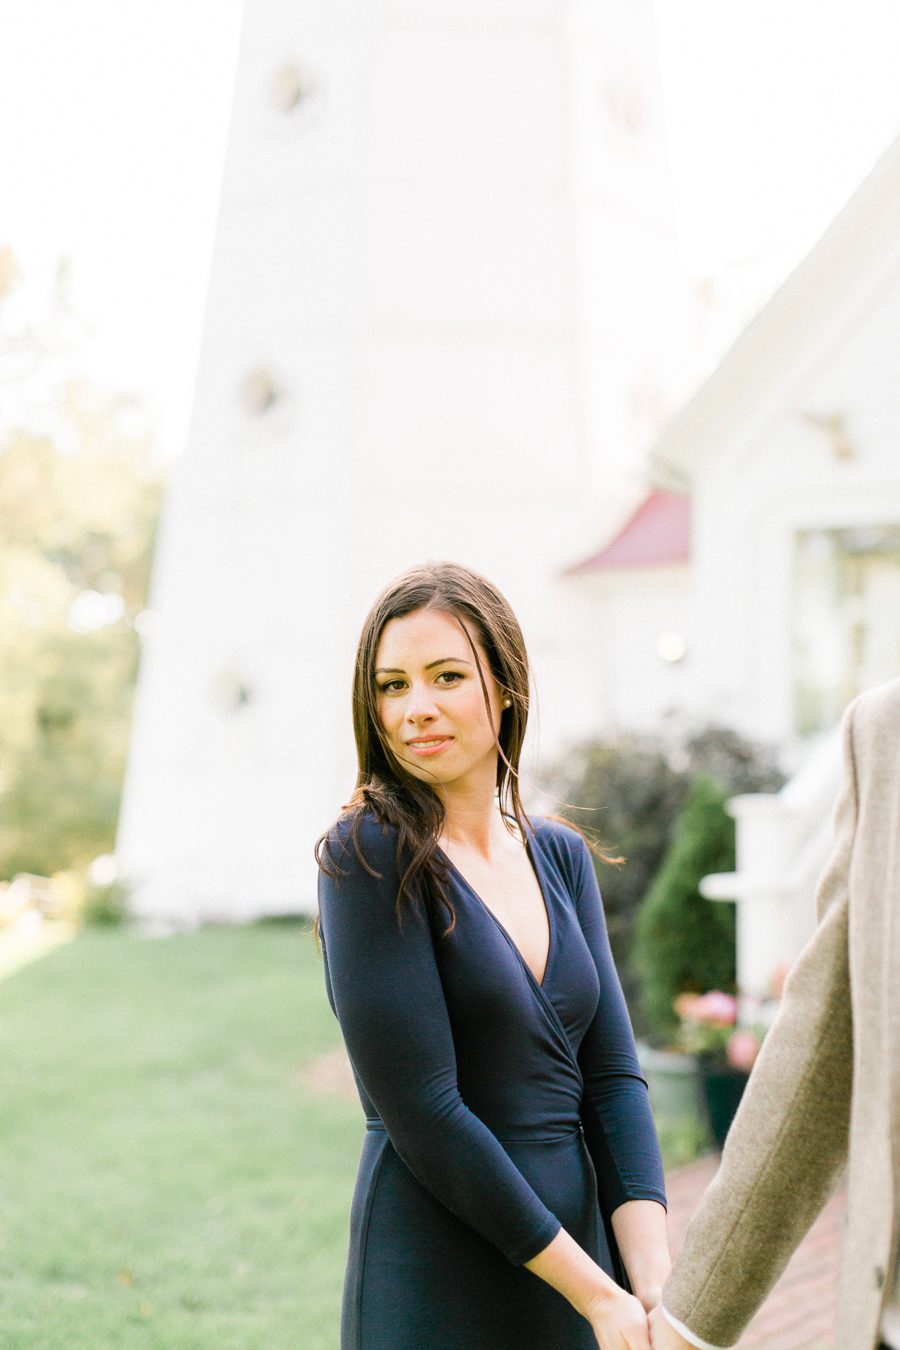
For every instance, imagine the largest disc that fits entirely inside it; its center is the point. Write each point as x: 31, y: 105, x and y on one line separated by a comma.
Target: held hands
x: 619, y: 1322
x: 663, y: 1335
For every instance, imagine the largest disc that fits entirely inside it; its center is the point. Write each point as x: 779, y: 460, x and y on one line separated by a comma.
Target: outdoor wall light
x: 671, y: 647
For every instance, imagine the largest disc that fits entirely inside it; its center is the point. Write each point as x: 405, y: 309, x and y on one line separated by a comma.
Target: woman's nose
x: 420, y: 706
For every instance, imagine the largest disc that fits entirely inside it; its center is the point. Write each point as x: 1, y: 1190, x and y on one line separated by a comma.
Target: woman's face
x: 431, y: 703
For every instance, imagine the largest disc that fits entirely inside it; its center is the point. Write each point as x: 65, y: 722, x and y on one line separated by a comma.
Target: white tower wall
x: 394, y: 365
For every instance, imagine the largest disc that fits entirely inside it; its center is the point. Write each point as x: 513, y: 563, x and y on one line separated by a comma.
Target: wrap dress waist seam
x: 375, y: 1123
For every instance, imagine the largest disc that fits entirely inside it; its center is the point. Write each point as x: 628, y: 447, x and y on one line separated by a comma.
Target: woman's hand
x: 649, y: 1295
x: 663, y: 1336
x: 619, y: 1322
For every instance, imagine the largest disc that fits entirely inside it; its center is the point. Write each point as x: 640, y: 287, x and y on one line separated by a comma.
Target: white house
x: 787, y: 461
x: 758, y: 585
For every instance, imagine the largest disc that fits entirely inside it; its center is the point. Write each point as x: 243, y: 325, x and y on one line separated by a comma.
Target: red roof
x: 658, y: 532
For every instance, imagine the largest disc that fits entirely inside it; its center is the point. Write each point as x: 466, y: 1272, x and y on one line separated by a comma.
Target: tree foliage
x: 80, y: 489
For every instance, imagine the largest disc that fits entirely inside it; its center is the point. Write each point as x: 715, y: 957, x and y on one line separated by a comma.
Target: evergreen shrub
x: 626, y: 796
x: 627, y: 792
x: 684, y: 942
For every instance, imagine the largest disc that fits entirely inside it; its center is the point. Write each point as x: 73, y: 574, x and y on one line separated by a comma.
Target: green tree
x: 80, y: 487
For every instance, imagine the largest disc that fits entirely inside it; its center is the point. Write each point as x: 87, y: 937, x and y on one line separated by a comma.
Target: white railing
x: 783, y: 840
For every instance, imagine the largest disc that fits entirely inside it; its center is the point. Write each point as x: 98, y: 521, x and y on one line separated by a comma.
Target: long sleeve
x: 385, y: 987
x: 616, y: 1108
x: 788, y: 1142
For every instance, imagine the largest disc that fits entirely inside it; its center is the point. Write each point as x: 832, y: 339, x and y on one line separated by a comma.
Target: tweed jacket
x: 825, y: 1091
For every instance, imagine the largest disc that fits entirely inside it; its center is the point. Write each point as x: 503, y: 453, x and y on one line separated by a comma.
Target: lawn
x: 166, y: 1179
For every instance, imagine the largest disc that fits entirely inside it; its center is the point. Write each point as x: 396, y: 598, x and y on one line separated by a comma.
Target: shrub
x: 628, y: 793
x: 683, y: 942
x: 736, y: 764
x: 105, y: 906
x: 626, y: 797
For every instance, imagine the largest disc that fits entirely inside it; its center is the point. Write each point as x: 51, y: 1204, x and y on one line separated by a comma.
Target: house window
x: 846, y: 632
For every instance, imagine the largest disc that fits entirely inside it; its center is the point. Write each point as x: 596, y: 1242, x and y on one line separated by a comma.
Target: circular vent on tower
x: 625, y: 106
x: 232, y: 691
x: 289, y: 88
x: 258, y: 391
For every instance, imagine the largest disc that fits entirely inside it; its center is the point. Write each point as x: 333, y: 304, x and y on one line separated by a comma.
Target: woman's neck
x: 474, y: 824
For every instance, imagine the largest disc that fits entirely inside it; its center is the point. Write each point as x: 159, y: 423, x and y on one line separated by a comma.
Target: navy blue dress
x: 497, y: 1108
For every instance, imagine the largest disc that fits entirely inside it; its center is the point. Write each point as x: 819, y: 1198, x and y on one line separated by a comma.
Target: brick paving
x: 799, y: 1312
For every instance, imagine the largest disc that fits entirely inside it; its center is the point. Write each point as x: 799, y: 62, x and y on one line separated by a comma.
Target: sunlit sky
x: 115, y: 117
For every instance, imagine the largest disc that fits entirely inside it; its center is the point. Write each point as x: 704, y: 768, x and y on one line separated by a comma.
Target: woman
x: 466, y: 957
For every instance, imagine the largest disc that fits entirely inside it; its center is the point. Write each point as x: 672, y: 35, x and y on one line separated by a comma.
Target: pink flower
x: 718, y: 1008
x: 742, y: 1049
x: 688, y: 1006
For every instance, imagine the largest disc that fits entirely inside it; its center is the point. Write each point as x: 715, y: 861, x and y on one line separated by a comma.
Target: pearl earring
x: 507, y: 703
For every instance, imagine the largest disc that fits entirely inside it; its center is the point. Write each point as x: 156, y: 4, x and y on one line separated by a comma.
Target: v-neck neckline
x: 532, y: 855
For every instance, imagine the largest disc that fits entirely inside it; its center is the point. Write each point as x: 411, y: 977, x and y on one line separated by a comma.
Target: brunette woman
x: 510, y: 1190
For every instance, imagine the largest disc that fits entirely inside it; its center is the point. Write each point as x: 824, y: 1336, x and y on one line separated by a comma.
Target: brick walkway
x: 799, y: 1312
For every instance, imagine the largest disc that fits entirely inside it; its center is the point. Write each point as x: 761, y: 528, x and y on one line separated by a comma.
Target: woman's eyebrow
x: 442, y: 661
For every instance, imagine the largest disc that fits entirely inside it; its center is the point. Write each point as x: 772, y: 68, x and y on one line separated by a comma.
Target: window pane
x: 846, y: 634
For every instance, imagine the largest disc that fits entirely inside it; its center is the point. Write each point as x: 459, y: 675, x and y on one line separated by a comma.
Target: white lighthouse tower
x: 429, y: 334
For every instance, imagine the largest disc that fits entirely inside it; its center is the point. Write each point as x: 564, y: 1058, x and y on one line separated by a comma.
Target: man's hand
x: 663, y: 1335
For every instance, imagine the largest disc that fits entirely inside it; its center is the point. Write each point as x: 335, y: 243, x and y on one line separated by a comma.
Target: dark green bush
x: 630, y: 798
x: 683, y: 941
x: 627, y: 793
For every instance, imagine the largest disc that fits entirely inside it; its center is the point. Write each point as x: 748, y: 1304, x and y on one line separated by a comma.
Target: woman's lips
x: 431, y: 745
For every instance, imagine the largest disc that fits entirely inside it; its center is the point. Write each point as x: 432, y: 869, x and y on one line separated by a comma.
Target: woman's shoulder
x: 558, y: 837
x: 360, y: 835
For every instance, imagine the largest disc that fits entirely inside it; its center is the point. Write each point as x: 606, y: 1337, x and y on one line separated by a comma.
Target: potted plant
x: 724, y: 1034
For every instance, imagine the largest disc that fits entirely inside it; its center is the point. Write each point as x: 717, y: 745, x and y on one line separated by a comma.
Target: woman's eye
x: 446, y: 677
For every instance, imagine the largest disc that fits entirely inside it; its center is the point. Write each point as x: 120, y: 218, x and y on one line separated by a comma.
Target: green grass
x: 166, y: 1180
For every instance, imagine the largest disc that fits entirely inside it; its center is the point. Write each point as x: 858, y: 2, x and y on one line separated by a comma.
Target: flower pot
x: 721, y: 1089
x: 672, y: 1080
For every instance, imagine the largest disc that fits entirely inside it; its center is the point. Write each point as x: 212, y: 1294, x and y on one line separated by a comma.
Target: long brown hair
x: 382, y: 786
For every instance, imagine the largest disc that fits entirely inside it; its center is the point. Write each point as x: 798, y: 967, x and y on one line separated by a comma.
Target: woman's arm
x: 619, y: 1321
x: 619, y: 1127
x: 387, y: 993
x: 643, y: 1241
